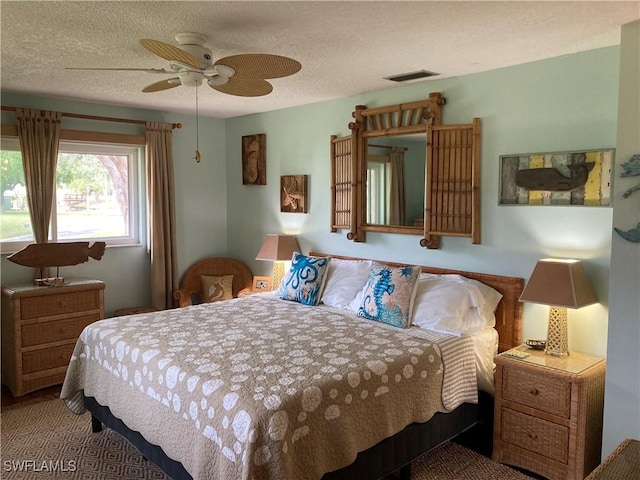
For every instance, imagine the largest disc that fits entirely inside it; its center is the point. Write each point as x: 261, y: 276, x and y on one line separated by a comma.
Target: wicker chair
x: 215, y: 266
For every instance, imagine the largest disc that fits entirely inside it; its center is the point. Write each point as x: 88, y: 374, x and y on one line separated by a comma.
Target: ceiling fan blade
x: 245, y: 87
x: 162, y: 85
x: 260, y: 65
x: 148, y: 70
x: 169, y: 52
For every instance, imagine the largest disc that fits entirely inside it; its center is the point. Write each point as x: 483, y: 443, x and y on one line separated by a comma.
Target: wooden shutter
x: 452, y: 195
x: 342, y: 179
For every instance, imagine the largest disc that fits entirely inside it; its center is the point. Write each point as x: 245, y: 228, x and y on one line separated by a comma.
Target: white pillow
x: 491, y: 297
x: 449, y: 304
x: 486, y: 297
x: 345, y: 278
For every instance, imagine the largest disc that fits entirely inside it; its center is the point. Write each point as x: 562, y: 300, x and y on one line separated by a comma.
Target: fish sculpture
x: 632, y: 235
x: 40, y: 255
x: 629, y: 191
x: 552, y: 180
x: 632, y: 167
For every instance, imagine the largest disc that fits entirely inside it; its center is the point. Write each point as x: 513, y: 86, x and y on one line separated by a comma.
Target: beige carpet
x: 42, y: 439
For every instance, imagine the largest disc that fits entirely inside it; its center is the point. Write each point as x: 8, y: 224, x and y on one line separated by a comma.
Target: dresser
x: 40, y: 326
x: 548, y: 413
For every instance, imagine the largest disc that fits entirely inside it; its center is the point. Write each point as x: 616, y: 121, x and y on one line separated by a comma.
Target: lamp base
x: 278, y: 274
x: 557, y: 333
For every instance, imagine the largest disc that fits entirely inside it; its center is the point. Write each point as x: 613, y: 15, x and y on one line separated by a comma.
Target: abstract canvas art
x: 580, y: 177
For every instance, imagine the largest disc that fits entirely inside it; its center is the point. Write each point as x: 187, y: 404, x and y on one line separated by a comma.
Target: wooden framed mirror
x: 402, y: 171
x: 394, y: 183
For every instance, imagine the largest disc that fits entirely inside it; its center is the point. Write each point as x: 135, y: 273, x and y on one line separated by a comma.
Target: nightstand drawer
x: 537, y: 391
x: 46, y: 359
x: 44, y: 306
x: 535, y: 435
x: 49, y: 332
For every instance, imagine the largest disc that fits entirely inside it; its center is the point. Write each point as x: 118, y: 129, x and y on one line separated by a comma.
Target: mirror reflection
x: 395, y: 180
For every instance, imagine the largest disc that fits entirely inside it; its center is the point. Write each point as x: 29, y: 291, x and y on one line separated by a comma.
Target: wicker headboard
x: 509, y: 311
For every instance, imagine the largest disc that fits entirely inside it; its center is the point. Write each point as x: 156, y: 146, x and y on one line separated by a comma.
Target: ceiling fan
x: 192, y: 64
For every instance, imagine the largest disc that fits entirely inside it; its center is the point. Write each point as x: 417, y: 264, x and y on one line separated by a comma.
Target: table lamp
x: 561, y: 284
x: 278, y: 249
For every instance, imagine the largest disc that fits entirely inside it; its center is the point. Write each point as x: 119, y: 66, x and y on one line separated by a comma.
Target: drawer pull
x: 532, y: 436
x: 534, y: 391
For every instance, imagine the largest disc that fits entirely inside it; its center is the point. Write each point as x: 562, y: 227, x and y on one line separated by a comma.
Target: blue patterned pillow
x: 305, y: 280
x: 389, y: 293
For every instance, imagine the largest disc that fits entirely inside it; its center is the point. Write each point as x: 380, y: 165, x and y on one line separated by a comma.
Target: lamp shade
x: 278, y: 248
x: 559, y: 282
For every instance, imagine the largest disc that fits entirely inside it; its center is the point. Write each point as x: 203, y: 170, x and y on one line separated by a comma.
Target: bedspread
x: 261, y: 388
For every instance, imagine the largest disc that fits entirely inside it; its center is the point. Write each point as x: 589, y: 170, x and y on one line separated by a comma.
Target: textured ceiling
x: 346, y: 48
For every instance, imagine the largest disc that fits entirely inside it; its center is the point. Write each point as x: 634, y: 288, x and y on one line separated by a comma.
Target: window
x: 96, y: 195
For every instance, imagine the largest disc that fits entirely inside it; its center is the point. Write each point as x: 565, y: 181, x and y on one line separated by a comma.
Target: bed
x: 260, y: 387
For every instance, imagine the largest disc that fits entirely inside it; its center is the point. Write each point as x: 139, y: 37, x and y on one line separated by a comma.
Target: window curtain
x: 397, y: 202
x: 161, y: 213
x: 39, y: 134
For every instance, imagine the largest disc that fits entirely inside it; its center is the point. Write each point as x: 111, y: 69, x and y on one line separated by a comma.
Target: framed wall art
x: 293, y: 193
x: 254, y: 159
x: 261, y: 284
x: 581, y: 177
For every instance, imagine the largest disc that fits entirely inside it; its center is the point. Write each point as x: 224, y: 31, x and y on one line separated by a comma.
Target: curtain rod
x: 96, y: 117
x: 404, y: 149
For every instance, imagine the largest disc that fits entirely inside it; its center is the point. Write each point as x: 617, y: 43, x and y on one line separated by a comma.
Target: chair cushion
x: 216, y: 288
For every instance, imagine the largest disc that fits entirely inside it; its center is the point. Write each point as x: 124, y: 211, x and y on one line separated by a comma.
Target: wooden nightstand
x: 548, y: 413
x: 40, y: 326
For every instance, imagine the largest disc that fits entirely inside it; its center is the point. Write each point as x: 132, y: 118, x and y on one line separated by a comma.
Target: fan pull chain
x: 197, y: 155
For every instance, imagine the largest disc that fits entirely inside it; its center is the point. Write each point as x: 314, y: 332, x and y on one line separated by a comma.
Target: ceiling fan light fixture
x: 191, y: 79
x: 217, y: 81
x: 224, y: 70
x: 178, y: 66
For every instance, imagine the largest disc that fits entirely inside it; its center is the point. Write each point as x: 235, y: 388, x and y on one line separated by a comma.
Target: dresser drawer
x: 535, y: 435
x: 49, y: 332
x: 35, y: 307
x: 32, y: 384
x: 52, y: 357
x: 543, y: 393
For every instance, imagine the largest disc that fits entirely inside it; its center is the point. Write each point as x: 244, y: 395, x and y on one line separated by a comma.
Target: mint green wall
x: 201, y: 199
x: 560, y: 104
x: 622, y: 391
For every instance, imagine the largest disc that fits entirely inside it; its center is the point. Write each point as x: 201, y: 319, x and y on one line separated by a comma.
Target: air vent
x: 405, y: 77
